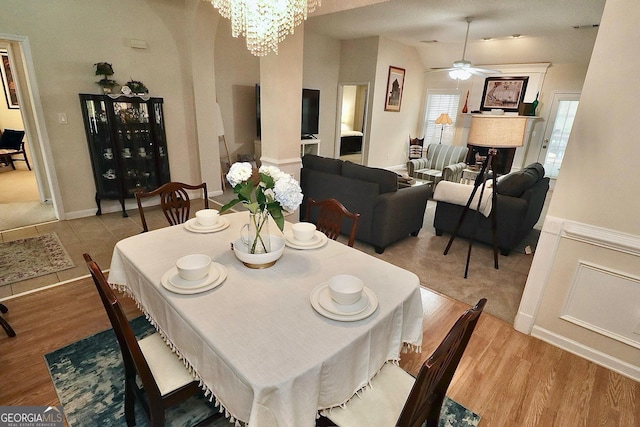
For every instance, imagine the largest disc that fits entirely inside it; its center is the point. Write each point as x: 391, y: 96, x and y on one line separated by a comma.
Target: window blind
x: 438, y: 102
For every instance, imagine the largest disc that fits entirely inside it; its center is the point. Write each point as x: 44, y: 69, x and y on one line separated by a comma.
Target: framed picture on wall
x: 8, y: 83
x: 504, y: 93
x: 395, y: 83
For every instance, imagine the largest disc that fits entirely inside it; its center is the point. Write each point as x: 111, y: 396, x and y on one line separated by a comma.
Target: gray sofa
x: 520, y: 200
x: 387, y: 214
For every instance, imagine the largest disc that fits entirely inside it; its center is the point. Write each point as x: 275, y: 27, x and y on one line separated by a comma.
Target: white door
x: 556, y: 134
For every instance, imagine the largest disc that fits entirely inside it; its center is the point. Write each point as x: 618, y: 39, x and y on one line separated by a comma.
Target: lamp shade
x: 497, y: 131
x: 444, y: 119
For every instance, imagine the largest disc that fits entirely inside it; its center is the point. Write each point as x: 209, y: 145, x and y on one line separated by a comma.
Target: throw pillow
x: 515, y: 183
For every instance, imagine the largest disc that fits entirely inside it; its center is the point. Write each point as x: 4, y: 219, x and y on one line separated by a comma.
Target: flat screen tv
x: 310, y: 112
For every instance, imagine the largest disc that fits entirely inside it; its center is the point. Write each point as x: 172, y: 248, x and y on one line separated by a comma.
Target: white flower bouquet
x: 267, y: 190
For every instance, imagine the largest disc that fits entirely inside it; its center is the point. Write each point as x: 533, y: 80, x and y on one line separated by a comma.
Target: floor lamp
x: 443, y: 119
x: 492, y: 132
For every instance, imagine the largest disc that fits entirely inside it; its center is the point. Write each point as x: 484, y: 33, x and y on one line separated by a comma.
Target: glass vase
x: 257, y: 236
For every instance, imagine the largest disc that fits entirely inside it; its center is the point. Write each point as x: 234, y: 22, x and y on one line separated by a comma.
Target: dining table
x: 257, y: 341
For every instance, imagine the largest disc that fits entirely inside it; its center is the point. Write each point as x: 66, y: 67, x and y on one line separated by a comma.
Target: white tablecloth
x: 256, y: 342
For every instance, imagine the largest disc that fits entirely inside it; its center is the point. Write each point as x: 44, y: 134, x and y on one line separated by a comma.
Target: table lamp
x: 493, y: 132
x: 443, y: 119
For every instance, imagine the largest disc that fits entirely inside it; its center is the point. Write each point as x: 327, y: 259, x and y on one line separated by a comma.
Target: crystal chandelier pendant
x: 264, y: 23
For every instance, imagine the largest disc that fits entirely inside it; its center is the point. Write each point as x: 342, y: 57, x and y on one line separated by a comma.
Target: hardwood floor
x: 510, y: 379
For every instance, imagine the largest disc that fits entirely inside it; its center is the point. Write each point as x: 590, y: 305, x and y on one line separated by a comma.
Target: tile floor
x: 96, y: 235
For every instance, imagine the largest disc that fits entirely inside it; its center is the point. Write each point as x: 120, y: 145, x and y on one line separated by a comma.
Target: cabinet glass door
x: 105, y: 165
x: 135, y: 146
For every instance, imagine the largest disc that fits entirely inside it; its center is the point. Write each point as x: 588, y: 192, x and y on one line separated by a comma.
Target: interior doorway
x: 29, y: 117
x: 352, y: 117
x: 556, y: 134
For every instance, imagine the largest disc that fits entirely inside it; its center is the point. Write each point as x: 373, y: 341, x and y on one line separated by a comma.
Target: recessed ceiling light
x: 582, y: 27
x: 428, y: 41
x: 515, y: 36
x: 486, y: 39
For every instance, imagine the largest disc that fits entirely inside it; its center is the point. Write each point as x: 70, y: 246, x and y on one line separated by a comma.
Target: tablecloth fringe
x: 358, y: 393
x: 208, y: 393
x: 407, y: 347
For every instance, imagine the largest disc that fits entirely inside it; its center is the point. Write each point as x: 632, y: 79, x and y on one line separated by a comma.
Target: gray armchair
x: 443, y: 162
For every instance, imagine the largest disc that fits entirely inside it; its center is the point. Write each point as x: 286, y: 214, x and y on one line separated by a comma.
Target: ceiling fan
x: 462, y: 69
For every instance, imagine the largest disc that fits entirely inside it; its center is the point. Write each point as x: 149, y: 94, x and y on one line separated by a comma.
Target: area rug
x: 88, y: 378
x: 32, y: 257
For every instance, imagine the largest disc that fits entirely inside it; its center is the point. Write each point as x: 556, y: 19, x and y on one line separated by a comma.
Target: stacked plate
x: 317, y: 241
x: 194, y: 226
x: 172, y: 281
x: 322, y: 302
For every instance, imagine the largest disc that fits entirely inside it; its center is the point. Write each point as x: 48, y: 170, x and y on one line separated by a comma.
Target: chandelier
x: 264, y: 23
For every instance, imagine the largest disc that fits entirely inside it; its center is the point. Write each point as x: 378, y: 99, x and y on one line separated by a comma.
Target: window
x: 438, y: 102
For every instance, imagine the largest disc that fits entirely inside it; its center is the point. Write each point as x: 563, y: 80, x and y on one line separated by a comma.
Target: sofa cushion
x: 322, y: 164
x: 515, y: 183
x: 387, y: 181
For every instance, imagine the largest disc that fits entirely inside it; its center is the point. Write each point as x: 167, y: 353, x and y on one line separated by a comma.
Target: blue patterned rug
x: 89, y: 380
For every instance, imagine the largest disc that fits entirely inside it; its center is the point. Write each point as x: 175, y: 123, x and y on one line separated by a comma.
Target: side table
x: 469, y: 176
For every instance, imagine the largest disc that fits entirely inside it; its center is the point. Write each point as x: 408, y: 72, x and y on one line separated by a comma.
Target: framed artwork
x: 8, y: 83
x: 395, y: 83
x: 505, y: 93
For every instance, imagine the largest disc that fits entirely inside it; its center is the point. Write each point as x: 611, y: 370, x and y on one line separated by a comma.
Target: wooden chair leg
x: 129, y: 405
x: 8, y: 329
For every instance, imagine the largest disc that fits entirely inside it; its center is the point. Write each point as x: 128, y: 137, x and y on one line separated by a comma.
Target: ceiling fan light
x: 459, y: 74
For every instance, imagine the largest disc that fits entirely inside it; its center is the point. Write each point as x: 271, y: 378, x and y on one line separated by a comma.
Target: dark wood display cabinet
x: 127, y: 145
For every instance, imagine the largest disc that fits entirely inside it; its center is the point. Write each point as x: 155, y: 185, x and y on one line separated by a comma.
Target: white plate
x: 314, y: 297
x: 194, y: 289
x: 317, y: 241
x: 179, y: 282
x: 326, y: 302
x: 194, y: 226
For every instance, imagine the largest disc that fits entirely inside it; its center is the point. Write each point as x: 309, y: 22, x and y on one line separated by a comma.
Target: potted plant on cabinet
x: 137, y: 87
x: 105, y: 69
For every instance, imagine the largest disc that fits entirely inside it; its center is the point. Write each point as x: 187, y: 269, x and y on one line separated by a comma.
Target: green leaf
x: 276, y: 213
x: 253, y: 207
x: 229, y: 205
x: 244, y: 190
x: 267, y: 180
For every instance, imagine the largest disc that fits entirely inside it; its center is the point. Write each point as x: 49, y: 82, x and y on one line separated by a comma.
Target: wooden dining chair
x: 395, y: 398
x: 329, y: 219
x: 12, y: 144
x: 5, y: 325
x: 165, y: 380
x: 174, y: 201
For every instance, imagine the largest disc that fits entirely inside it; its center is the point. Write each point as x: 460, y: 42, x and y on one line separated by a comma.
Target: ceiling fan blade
x: 475, y: 72
x: 442, y: 69
x: 486, y: 70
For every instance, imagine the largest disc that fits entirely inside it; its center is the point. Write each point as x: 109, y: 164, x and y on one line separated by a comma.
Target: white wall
x: 389, y: 136
x: 588, y: 259
x: 320, y: 71
x: 237, y: 73
x: 67, y: 37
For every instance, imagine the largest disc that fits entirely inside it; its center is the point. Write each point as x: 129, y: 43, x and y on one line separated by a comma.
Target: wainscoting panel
x: 597, y: 292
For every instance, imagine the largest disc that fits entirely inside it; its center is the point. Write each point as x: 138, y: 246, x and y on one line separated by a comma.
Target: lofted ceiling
x: 546, y: 28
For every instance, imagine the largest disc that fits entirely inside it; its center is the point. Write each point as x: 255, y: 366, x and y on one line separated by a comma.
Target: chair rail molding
x: 554, y: 231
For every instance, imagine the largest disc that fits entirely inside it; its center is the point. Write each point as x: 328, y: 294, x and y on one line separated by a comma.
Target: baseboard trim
x: 588, y: 353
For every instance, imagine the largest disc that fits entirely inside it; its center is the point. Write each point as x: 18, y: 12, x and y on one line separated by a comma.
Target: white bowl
x: 207, y: 217
x: 303, y: 231
x: 345, y: 289
x: 193, y: 267
x: 259, y: 260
